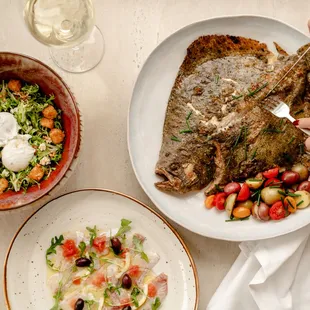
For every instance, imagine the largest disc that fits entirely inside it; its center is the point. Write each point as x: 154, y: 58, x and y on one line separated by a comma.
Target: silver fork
x: 281, y: 109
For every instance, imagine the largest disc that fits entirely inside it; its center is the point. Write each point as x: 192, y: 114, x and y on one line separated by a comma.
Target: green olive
x: 271, y: 195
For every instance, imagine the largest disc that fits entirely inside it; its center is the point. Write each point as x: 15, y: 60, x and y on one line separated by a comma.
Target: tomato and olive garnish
x: 272, y: 195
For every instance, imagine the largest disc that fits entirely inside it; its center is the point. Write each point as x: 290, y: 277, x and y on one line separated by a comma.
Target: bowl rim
x: 78, y: 115
x: 96, y: 189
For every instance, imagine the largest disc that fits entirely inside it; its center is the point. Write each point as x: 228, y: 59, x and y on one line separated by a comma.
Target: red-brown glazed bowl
x: 16, y: 66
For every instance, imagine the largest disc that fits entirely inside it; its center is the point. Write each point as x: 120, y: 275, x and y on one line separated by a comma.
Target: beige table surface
x: 132, y: 29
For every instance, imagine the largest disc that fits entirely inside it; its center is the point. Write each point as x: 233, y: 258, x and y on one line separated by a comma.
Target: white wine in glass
x: 68, y: 27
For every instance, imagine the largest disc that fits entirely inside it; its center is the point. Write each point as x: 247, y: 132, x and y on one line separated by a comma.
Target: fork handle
x: 292, y: 119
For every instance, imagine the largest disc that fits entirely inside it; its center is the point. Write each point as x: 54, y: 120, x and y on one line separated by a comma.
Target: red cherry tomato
x: 219, y: 201
x: 244, y: 193
x: 152, y: 290
x: 231, y: 188
x: 277, y: 211
x: 69, y: 249
x: 271, y: 173
x: 272, y: 182
x: 77, y: 281
x: 100, y: 243
x: 134, y: 271
x: 98, y: 279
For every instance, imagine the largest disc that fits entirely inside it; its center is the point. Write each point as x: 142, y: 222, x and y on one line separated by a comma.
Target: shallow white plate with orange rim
x: 25, y: 272
x: 147, y: 114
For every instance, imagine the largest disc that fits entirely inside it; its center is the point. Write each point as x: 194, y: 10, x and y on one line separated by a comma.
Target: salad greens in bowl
x: 39, y: 130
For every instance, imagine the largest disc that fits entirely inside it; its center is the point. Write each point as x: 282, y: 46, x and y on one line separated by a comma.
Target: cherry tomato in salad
x: 77, y: 281
x: 271, y: 173
x: 100, y: 243
x: 124, y: 252
x: 98, y: 279
x: 152, y: 290
x: 219, y: 201
x: 272, y: 182
x: 290, y: 204
x: 244, y: 193
x: 209, y: 202
x: 277, y: 211
x: 134, y: 271
x: 69, y: 248
x: 231, y: 188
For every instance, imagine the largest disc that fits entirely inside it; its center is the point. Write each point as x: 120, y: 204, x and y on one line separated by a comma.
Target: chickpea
x: 15, y: 85
x: 49, y: 112
x: 4, y: 184
x: 48, y: 123
x: 36, y: 173
x: 57, y: 135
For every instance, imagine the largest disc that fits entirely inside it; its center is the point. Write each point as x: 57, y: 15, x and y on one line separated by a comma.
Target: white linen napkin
x: 271, y: 274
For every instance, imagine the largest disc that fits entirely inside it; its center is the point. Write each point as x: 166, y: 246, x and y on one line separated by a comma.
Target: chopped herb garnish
x: 156, y: 304
x: 52, y: 249
x: 125, y: 227
x: 175, y: 138
x: 236, y: 97
x: 245, y: 143
x: 252, y: 93
x: 238, y: 219
x: 186, y: 131
x: 292, y: 194
x: 282, y: 193
x: 299, y: 111
x: 302, y: 148
x: 110, y: 289
x: 138, y: 244
x: 82, y: 247
x: 259, y: 197
x: 255, y: 180
x: 292, y: 139
x: 92, y: 234
x: 216, y: 79
x: 135, y: 292
x: 299, y: 203
x: 217, y: 187
x: 254, y: 154
x: 235, y: 144
x: 275, y: 186
x: 272, y: 130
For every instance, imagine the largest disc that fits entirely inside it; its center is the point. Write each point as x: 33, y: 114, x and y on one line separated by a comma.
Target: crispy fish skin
x: 188, y: 165
x: 217, y: 113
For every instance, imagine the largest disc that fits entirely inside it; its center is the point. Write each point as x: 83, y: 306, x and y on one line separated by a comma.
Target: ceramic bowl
x: 33, y: 71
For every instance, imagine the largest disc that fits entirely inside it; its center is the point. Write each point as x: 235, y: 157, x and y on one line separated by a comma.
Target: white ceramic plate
x: 25, y: 268
x: 146, y: 119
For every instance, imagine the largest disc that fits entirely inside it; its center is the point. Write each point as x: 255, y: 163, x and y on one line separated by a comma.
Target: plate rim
x: 96, y: 189
x: 179, y: 30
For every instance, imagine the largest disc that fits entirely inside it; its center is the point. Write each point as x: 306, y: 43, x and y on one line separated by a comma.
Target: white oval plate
x: 25, y: 268
x: 147, y: 114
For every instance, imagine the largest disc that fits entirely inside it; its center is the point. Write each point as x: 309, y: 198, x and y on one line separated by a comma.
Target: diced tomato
x: 98, y: 279
x: 210, y: 202
x: 125, y: 301
x: 124, y: 251
x: 272, y: 182
x: 219, y: 201
x: 244, y: 193
x: 100, y: 243
x: 69, y: 249
x: 271, y: 173
x: 77, y: 281
x: 134, y: 271
x: 277, y: 211
x: 290, y: 204
x: 152, y: 290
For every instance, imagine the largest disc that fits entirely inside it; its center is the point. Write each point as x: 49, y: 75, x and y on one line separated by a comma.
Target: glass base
x: 82, y: 57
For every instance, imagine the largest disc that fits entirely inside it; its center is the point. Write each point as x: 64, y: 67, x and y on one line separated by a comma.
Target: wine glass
x: 68, y: 28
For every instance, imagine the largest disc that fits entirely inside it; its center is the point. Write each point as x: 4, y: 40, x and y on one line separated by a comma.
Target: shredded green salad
x: 26, y: 106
